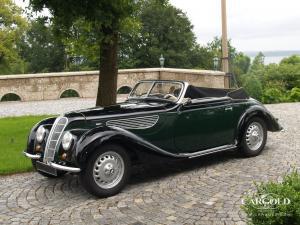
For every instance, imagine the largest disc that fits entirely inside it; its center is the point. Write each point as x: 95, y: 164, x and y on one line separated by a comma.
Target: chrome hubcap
x: 254, y: 136
x: 108, y: 170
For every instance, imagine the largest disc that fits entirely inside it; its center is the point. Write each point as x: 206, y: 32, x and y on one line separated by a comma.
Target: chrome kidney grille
x: 54, y: 136
x: 143, y: 122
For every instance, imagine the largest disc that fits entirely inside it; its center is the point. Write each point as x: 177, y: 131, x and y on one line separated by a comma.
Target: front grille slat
x: 54, y: 136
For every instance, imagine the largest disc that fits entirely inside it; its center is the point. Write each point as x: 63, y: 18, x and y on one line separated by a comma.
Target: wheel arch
x: 129, y: 147
x: 255, y: 111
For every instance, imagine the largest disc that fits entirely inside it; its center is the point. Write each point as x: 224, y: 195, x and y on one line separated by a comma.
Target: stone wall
x: 48, y: 86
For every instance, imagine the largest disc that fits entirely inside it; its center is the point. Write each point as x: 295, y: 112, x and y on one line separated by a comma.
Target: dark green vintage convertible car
x: 160, y: 119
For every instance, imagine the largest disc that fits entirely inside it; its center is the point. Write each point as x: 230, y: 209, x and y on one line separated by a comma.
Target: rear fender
x: 256, y: 111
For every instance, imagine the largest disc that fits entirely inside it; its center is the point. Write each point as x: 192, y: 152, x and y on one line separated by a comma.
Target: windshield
x: 157, y: 90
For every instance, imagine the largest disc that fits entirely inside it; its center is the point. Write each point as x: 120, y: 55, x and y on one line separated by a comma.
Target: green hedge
x: 275, y: 203
x: 273, y: 83
x: 271, y: 92
x: 294, y: 95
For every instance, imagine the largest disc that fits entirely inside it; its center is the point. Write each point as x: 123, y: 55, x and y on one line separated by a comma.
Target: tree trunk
x: 108, y: 75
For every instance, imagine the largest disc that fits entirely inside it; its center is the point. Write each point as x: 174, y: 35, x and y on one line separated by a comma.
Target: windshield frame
x: 179, y: 98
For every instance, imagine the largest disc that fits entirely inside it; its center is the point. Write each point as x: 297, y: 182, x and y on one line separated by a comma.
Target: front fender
x: 256, y: 111
x: 98, y: 136
x: 32, y: 134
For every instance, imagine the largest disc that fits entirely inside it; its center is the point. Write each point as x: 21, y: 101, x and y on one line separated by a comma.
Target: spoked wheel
x: 107, y: 171
x: 254, y: 138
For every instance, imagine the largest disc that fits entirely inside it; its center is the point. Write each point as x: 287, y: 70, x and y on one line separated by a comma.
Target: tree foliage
x: 253, y: 86
x: 165, y: 30
x: 156, y: 27
x: 12, y: 26
x: 292, y: 60
x: 239, y: 62
x: 295, y: 94
x: 81, y: 46
x: 42, y: 51
x: 106, y: 19
x: 257, y: 65
x: 279, y: 82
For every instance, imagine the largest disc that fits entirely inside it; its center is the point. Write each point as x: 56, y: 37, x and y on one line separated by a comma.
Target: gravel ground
x: 45, y: 107
x: 206, y: 190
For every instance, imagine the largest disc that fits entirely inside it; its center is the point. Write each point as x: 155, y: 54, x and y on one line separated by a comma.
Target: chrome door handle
x: 228, y: 108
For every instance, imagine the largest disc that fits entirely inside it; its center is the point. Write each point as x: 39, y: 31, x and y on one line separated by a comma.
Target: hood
x: 119, y: 109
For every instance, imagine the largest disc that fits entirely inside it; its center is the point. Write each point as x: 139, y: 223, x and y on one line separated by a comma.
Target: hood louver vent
x: 135, y: 122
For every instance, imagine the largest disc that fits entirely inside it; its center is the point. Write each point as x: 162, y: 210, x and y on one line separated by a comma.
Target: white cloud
x: 252, y: 25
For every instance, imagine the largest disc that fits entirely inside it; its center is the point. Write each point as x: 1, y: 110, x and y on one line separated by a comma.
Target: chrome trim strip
x: 208, y: 151
x: 31, y: 156
x: 150, y: 89
x: 65, y: 168
x: 135, y: 113
x: 182, y: 94
x: 210, y: 100
x: 184, y: 86
x: 182, y: 155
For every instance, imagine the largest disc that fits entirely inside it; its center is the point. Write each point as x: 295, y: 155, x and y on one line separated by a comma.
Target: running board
x: 208, y: 151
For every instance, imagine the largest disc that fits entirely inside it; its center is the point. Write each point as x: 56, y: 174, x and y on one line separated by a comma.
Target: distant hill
x: 273, y: 56
x: 273, y: 53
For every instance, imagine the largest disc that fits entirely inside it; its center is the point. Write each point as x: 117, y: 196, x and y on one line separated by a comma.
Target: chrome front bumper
x: 54, y: 165
x: 31, y: 156
x: 65, y: 168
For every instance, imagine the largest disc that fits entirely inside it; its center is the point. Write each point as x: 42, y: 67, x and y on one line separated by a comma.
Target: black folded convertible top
x: 204, y: 92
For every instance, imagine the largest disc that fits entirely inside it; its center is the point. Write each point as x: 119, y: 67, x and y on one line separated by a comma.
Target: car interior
x: 204, y: 94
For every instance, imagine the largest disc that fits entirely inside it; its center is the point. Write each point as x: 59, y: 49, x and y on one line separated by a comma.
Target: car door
x: 204, y: 124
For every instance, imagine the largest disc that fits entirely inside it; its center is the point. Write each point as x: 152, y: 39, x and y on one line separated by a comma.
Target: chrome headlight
x: 67, y: 140
x: 40, y: 134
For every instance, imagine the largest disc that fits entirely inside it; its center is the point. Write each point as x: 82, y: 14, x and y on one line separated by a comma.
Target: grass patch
x: 13, y: 138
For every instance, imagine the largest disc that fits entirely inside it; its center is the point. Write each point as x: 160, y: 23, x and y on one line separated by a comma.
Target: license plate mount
x: 43, y: 167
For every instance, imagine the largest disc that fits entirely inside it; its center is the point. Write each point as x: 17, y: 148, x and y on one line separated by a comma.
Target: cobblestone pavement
x: 206, y: 191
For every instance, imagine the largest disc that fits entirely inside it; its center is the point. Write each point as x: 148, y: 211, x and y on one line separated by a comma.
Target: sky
x: 253, y: 25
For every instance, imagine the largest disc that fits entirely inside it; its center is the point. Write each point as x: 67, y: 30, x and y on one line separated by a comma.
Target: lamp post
x: 225, y: 63
x: 162, y: 61
x: 216, y: 62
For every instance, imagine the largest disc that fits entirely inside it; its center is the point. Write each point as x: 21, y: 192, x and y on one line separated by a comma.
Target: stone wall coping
x: 123, y: 71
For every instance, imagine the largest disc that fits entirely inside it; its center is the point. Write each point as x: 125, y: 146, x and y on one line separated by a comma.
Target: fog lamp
x: 64, y: 156
x: 38, y: 148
